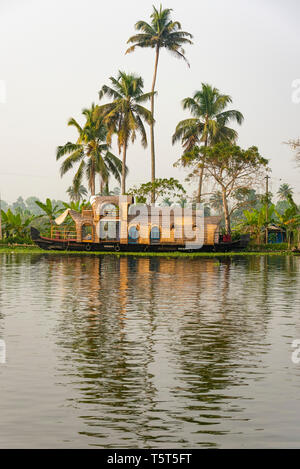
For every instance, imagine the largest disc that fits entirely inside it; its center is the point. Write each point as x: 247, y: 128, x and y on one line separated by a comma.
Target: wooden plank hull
x: 115, y: 246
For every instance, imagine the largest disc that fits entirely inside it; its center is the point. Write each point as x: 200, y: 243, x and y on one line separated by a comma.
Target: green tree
x: 4, y: 205
x: 255, y: 220
x: 50, y: 209
x: 284, y: 191
x: 106, y: 191
x: 78, y: 205
x: 161, y: 32
x: 15, y: 226
x: 182, y: 202
x: 164, y: 188
x: 166, y: 202
x: 232, y: 168
x: 124, y: 115
x: 31, y: 205
x: 290, y: 219
x: 208, y: 124
x: 19, y: 206
x: 91, y: 152
x: 216, y: 202
x: 77, y: 191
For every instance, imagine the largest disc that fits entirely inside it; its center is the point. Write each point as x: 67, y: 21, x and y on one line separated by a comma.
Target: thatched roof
x: 76, y: 216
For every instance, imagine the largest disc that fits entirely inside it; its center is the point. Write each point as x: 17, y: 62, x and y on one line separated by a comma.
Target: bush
x: 268, y: 247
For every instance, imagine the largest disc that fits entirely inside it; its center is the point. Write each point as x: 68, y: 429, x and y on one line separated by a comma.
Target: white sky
x: 55, y: 56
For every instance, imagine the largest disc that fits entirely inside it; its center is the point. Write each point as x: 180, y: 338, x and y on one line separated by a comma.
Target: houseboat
x: 117, y: 224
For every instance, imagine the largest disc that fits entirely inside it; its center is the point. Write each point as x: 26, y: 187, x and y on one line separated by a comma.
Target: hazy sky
x: 55, y: 56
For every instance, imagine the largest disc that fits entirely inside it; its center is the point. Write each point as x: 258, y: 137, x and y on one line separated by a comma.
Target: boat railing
x: 63, y: 233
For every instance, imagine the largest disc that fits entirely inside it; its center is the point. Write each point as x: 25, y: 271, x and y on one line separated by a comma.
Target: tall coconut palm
x: 208, y: 124
x: 161, y: 32
x: 284, y: 191
x: 124, y: 115
x: 92, y: 153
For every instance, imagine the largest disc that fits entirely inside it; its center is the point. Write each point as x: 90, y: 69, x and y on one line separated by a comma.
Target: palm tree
x: 290, y: 219
x: 216, y: 202
x: 106, y: 191
x: 182, y: 202
x: 161, y: 32
x: 76, y: 192
x: 124, y: 115
x: 284, y: 191
x: 208, y: 125
x: 91, y: 151
x: 166, y: 202
x: 78, y: 206
x: 50, y: 209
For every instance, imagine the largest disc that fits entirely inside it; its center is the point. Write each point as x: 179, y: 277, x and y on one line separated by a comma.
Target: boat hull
x: 114, y: 246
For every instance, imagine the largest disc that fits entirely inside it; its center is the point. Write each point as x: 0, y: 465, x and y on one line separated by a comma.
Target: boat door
x: 154, y: 235
x: 133, y: 235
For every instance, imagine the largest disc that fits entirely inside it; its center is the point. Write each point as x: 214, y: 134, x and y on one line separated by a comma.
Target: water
x: 149, y: 352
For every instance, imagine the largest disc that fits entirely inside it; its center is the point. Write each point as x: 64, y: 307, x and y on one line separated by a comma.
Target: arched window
x: 109, y: 210
x: 154, y: 235
x: 109, y: 230
x: 133, y: 235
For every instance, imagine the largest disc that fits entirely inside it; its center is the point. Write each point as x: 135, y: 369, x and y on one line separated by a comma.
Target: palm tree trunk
x: 201, y: 174
x: 226, y: 212
x: 152, y: 126
x: 92, y: 178
x: 101, y: 183
x: 200, y: 185
x: 123, y: 185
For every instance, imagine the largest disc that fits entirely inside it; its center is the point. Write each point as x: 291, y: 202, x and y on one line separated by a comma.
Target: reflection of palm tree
x: 101, y: 342
x: 161, y: 32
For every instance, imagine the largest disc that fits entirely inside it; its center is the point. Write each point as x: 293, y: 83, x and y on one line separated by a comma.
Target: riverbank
x: 249, y: 252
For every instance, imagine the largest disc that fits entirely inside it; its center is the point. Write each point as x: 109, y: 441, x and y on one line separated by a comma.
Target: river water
x: 138, y: 352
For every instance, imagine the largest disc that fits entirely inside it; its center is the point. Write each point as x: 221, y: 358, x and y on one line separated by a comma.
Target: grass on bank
x: 261, y: 250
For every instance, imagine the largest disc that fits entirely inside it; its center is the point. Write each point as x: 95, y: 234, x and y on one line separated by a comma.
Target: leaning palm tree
x: 91, y: 152
x: 208, y: 124
x: 161, y: 32
x: 124, y: 115
x: 284, y: 191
